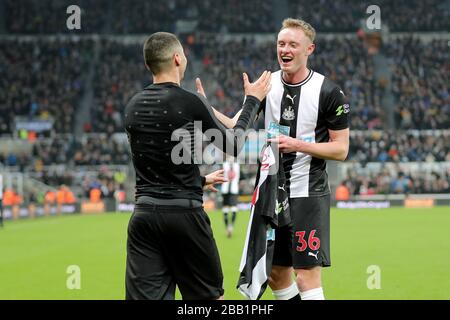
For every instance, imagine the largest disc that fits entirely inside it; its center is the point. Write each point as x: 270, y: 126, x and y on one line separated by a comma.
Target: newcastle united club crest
x: 288, y: 114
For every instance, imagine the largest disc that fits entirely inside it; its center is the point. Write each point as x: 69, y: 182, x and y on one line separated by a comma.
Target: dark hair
x: 159, y: 49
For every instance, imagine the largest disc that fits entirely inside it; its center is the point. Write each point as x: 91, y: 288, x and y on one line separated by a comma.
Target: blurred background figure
x: 230, y: 193
x: 342, y: 192
x: 49, y: 202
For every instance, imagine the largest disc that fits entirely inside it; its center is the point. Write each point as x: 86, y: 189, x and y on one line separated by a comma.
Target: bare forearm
x: 227, y: 122
x: 333, y: 150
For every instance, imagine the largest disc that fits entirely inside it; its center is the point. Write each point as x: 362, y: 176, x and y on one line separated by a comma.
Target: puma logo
x: 291, y: 98
x: 282, y: 188
x: 314, y: 255
x: 342, y: 92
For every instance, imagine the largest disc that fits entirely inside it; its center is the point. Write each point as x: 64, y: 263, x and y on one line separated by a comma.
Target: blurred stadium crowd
x: 255, y: 16
x: 384, y: 182
x: 55, y: 78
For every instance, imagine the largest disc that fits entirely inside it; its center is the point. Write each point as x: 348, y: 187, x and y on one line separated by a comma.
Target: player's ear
x: 177, y: 59
x: 310, y: 48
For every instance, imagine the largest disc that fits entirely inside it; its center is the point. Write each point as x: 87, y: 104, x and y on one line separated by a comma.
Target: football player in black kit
x: 170, y: 241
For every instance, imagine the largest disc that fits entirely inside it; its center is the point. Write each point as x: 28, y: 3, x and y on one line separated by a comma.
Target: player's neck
x: 297, y: 77
x: 167, y: 77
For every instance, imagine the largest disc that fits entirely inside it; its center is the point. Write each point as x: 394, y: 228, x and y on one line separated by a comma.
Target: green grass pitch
x: 410, y: 246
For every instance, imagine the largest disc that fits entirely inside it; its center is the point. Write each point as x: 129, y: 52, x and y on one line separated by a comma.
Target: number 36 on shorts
x: 313, y: 242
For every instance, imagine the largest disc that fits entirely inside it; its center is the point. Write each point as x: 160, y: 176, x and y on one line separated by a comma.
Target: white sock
x: 286, y: 293
x: 313, y: 294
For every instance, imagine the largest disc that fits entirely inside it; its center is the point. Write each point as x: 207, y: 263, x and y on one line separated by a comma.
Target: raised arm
x: 226, y: 121
x: 255, y: 92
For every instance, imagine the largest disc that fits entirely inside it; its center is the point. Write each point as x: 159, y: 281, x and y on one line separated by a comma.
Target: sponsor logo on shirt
x: 344, y: 108
x: 270, y: 234
x: 275, y: 129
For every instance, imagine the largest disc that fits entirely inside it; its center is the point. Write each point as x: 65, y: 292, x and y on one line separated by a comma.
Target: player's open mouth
x: 286, y: 59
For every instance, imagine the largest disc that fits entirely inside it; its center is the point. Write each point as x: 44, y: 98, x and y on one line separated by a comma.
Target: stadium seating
x: 119, y: 74
x: 42, y: 79
x: 400, y: 16
x: 400, y: 146
x: 49, y: 16
x: 251, y: 16
x: 393, y: 179
x: 51, y: 74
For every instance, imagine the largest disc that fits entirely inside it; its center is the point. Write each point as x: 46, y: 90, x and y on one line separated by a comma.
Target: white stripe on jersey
x: 232, y: 186
x: 273, y: 100
x: 308, y: 109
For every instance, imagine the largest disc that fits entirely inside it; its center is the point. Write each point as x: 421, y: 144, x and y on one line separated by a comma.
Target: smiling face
x: 293, y: 49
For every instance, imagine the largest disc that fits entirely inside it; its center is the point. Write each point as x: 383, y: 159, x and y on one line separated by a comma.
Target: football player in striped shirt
x: 309, y: 113
x: 314, y: 110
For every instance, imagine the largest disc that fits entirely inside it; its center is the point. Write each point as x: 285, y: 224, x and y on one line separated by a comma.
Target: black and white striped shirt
x: 309, y: 109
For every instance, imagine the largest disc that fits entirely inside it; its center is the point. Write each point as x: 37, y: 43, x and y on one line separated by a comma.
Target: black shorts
x: 306, y: 241
x: 171, y: 246
x: 230, y: 199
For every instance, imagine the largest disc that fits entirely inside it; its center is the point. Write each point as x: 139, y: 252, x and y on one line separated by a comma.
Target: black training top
x: 151, y: 118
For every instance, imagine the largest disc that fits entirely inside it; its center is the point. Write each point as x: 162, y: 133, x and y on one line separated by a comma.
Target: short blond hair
x: 309, y: 31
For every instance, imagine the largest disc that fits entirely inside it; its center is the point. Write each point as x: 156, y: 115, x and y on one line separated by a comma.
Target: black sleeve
x: 202, y: 111
x: 335, y: 106
x: 259, y: 123
x: 203, y: 180
x: 262, y: 107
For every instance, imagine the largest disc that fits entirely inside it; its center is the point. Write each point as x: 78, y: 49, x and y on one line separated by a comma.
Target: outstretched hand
x: 213, y: 178
x: 260, y: 88
x: 200, y: 90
